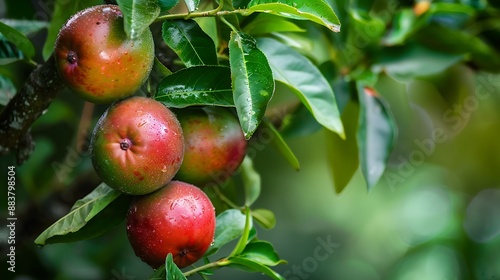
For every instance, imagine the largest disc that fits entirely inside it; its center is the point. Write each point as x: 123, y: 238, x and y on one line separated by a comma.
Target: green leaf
x: 19, y: 40
x: 166, y: 5
x: 300, y: 123
x: 251, y: 181
x: 265, y: 218
x: 460, y: 44
x: 280, y: 144
x: 376, y: 134
x: 9, y: 53
x: 245, y: 235
x: 158, y: 73
x: 173, y: 271
x: 317, y: 11
x: 406, y: 22
x: 412, y: 60
x: 456, y: 8
x: 26, y: 27
x: 315, y: 43
x: 192, y: 5
x: 98, y: 205
x: 229, y: 225
x: 252, y: 81
x: 96, y: 213
x: 365, y: 28
x: 267, y: 23
x: 238, y: 4
x: 210, y: 26
x: 7, y: 90
x: 138, y: 15
x: 261, y: 252
x: 402, y: 27
x: 198, y: 85
x: 251, y: 265
x: 63, y: 10
x: 159, y: 274
x: 190, y: 43
x: 305, y: 80
x: 343, y: 156
x: 161, y: 69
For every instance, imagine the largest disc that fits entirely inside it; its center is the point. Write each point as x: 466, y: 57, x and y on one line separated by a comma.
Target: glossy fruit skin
x: 97, y: 60
x: 215, y: 145
x: 137, y: 146
x: 178, y: 218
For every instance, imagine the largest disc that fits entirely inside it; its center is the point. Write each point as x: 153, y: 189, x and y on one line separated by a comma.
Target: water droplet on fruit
x: 164, y: 169
x: 173, y: 205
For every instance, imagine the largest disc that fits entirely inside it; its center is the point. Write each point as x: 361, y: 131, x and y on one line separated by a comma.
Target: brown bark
x: 30, y: 102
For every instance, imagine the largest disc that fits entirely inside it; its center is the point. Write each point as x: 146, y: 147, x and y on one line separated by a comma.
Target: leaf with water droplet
x: 192, y: 5
x: 197, y: 85
x: 189, y: 42
x: 251, y: 76
x: 317, y: 11
x: 138, y: 15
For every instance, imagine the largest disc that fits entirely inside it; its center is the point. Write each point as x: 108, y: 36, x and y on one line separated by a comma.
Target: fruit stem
x: 228, y: 24
x: 217, y: 12
x: 219, y: 263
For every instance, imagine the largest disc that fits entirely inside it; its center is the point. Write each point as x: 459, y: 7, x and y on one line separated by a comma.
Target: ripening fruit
x: 97, y: 60
x: 215, y: 145
x: 137, y: 146
x: 178, y: 218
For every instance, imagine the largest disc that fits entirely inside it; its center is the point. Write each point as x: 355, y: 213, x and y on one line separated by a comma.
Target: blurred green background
x: 435, y: 213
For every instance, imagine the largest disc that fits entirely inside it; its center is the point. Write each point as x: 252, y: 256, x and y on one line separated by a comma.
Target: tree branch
x: 30, y: 102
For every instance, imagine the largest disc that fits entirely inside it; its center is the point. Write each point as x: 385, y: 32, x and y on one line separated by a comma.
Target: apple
x: 97, y: 60
x: 178, y: 219
x: 137, y: 146
x: 215, y: 145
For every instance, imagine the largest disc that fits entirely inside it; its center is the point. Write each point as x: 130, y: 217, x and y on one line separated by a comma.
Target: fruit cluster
x: 140, y: 147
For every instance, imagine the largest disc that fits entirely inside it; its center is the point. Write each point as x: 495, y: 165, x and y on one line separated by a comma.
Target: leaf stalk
x: 217, y: 264
x: 217, y: 12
